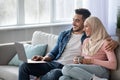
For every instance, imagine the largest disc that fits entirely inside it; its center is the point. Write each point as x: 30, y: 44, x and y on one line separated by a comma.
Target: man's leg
x: 54, y: 74
x: 36, y: 69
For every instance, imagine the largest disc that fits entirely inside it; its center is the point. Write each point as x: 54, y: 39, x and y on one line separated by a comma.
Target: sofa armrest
x: 115, y: 74
x: 7, y: 52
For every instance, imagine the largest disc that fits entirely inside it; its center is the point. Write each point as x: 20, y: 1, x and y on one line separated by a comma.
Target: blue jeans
x: 54, y: 74
x: 37, y: 69
x: 83, y: 72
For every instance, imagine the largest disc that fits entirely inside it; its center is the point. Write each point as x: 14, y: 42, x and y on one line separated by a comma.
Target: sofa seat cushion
x: 8, y: 72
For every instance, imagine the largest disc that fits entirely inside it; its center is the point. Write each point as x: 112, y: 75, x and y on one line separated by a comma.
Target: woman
x: 97, y: 61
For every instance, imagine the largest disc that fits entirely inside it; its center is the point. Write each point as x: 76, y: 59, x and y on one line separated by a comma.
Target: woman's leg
x: 66, y: 78
x: 84, y: 72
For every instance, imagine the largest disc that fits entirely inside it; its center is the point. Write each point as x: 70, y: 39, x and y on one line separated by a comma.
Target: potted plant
x: 118, y: 19
x: 118, y: 22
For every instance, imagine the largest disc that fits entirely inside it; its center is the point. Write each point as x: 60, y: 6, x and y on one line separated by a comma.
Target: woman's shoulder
x: 105, y: 43
x: 86, y: 40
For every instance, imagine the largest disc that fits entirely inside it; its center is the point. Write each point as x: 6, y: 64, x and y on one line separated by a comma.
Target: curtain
x: 106, y: 10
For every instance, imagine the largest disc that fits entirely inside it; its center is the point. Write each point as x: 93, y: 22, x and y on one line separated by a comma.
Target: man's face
x: 77, y: 23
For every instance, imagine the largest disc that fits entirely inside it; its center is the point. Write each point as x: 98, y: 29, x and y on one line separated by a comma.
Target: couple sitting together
x: 85, y: 52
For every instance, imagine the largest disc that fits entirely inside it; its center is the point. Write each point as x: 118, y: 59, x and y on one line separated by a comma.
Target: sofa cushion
x: 30, y: 50
x: 8, y: 72
x: 40, y: 37
x: 39, y: 49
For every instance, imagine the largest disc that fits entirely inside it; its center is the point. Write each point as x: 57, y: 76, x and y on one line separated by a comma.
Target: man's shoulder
x: 66, y: 32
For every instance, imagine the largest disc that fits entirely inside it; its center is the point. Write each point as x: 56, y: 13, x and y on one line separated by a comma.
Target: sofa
x: 8, y: 51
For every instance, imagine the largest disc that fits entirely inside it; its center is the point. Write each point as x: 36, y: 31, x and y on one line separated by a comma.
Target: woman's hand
x: 87, y: 61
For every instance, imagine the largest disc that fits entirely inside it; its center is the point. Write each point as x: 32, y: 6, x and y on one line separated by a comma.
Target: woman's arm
x: 111, y: 62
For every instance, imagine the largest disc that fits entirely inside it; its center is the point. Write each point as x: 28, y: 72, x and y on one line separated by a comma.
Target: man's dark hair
x: 84, y: 12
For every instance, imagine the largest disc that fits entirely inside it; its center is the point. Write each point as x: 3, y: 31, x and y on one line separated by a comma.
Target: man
x: 68, y: 45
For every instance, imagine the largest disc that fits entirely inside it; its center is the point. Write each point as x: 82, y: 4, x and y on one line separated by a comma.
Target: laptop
x: 22, y: 55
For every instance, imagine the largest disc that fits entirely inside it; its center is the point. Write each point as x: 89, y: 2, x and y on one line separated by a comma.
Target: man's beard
x: 78, y: 30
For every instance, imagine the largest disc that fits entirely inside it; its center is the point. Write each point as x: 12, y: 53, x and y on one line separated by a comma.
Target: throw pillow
x: 30, y: 50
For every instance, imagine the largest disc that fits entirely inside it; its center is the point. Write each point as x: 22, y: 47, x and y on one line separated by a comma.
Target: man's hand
x: 112, y: 44
x: 46, y: 58
x: 40, y: 58
x: 37, y: 58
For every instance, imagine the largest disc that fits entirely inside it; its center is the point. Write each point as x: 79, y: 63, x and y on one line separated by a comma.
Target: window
x: 64, y: 9
x: 23, y: 12
x: 37, y: 11
x: 8, y: 13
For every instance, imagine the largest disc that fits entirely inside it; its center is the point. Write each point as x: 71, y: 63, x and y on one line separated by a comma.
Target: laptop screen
x: 21, y: 51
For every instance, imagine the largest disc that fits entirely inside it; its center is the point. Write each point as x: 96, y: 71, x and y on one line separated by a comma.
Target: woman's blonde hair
x: 97, y: 37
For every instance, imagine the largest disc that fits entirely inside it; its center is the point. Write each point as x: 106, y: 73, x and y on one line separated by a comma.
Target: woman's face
x: 87, y: 29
